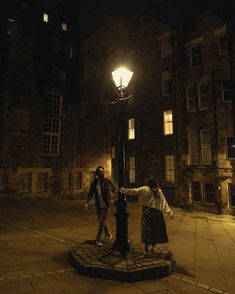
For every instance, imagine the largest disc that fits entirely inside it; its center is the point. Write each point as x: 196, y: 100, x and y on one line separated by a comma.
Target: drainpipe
x: 219, y: 203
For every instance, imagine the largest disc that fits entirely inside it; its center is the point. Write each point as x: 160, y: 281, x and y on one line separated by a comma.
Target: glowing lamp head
x: 122, y: 77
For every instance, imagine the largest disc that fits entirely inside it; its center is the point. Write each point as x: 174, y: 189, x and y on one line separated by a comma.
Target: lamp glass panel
x: 122, y: 77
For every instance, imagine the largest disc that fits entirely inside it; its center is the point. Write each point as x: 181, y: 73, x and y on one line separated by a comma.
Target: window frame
x: 170, y: 169
x: 131, y: 129
x: 196, y: 57
x: 167, y: 123
x: 204, y: 144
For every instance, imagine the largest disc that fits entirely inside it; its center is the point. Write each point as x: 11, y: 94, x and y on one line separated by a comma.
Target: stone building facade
x: 183, y: 109
x: 39, y: 98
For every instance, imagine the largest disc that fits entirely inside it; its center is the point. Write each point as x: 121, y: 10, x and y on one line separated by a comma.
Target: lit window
x: 52, y: 124
x: 193, y: 147
x: 195, y: 54
x: 170, y: 169
x: 203, y: 95
x: 226, y: 90
x: 131, y: 129
x: 132, y: 169
x: 25, y: 182
x: 166, y: 83
x: 206, y: 147
x: 223, y: 44
x: 196, y: 192
x: 45, y: 17
x: 166, y: 47
x: 42, y: 180
x: 168, y: 122
x: 64, y: 26
x: 209, y: 193
x: 191, y: 95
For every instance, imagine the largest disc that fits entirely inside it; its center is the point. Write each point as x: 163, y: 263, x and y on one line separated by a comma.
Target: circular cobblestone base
x: 103, y: 262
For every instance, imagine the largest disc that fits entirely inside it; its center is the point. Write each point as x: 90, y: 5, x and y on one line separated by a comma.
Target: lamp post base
x: 121, y: 243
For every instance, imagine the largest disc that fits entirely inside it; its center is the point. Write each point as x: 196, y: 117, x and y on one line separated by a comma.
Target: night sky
x: 171, y: 10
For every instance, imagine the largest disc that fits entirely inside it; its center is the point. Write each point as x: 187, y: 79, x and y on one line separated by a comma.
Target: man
x: 100, y: 188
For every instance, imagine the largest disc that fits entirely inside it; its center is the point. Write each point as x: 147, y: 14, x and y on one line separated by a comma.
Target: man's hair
x: 97, y: 169
x: 153, y: 183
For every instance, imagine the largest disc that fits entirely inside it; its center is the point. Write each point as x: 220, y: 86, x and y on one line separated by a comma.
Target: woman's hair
x: 98, y: 168
x: 154, y: 186
x: 153, y: 183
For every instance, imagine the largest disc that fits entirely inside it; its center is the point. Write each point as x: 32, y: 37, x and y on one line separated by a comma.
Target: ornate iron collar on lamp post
x: 121, y: 77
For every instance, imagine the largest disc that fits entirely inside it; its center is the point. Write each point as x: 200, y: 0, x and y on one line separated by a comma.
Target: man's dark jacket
x: 106, y: 187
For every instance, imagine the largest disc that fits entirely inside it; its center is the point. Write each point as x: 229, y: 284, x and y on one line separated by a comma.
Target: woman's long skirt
x: 153, y: 226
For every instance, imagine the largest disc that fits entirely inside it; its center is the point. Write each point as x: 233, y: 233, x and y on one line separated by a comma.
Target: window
x: 232, y: 195
x: 70, y: 51
x: 45, y: 17
x: 191, y: 95
x: 170, y: 169
x: 196, y: 192
x: 166, y: 83
x: 64, y: 26
x: 193, y: 147
x: 203, y: 96
x: 206, y: 147
x: 78, y: 180
x: 209, y: 193
x: 223, y: 43
x: 4, y: 179
x: 25, y: 182
x: 195, y: 54
x: 131, y: 128
x: 42, y: 180
x: 62, y: 76
x: 166, y: 48
x: 55, y: 44
x: 168, y: 122
x: 197, y: 97
x: 132, y: 169
x: 230, y: 147
x: 52, y: 124
x: 10, y: 24
x: 226, y: 90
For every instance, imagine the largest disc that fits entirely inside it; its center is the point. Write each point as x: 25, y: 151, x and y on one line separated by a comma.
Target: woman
x: 153, y: 227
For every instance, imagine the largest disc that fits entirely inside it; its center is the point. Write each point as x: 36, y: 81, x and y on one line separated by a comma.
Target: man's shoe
x: 98, y: 243
x: 108, y: 237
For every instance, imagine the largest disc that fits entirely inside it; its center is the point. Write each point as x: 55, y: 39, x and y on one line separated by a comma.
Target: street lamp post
x: 121, y: 77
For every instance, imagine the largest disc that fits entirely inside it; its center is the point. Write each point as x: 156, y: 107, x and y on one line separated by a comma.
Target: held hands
x: 172, y: 215
x: 122, y: 190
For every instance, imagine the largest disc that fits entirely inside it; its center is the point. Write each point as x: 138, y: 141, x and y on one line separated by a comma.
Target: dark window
x: 196, y: 192
x: 223, y: 44
x: 232, y: 194
x: 55, y: 44
x: 209, y: 193
x: 231, y: 147
x: 226, y: 90
x: 195, y: 56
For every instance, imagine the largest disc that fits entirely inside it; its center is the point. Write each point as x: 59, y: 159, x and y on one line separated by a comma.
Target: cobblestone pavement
x: 36, y: 236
